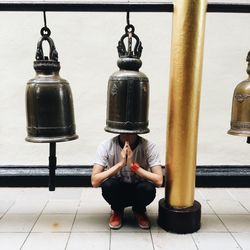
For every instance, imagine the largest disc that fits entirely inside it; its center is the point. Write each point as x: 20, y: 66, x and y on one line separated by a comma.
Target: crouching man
x: 127, y: 167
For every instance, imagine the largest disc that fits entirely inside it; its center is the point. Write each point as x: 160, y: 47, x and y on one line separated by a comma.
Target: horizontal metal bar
x: 228, y: 8
x: 78, y: 6
x: 80, y: 176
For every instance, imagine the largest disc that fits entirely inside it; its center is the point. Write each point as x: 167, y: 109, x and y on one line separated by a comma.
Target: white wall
x: 86, y: 43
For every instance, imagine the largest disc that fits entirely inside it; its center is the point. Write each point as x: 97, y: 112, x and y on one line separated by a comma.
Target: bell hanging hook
x: 44, y: 19
x: 129, y: 29
x: 129, y: 35
x: 128, y: 18
x: 45, y: 31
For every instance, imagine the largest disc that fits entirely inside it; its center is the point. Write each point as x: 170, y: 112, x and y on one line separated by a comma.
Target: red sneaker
x: 115, y: 220
x: 142, y: 220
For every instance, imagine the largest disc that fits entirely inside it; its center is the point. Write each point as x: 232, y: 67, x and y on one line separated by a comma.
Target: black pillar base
x: 180, y: 221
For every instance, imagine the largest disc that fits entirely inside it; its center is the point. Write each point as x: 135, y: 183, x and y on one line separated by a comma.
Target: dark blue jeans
x: 120, y: 195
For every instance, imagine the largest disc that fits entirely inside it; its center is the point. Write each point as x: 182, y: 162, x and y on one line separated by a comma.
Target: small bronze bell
x: 240, y: 118
x: 49, y: 103
x: 128, y: 90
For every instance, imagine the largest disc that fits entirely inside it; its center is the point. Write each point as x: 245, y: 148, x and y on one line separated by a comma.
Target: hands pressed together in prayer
x: 126, y: 156
x: 154, y: 174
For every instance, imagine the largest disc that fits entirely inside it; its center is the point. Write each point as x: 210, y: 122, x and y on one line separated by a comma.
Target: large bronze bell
x: 49, y: 103
x: 128, y: 90
x: 240, y: 118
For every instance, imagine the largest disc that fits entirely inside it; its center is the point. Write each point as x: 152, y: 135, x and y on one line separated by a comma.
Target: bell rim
x: 51, y: 139
x: 125, y: 131
x: 236, y: 133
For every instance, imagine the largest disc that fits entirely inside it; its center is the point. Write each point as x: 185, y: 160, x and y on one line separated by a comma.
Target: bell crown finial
x: 130, y: 52
x: 46, y: 63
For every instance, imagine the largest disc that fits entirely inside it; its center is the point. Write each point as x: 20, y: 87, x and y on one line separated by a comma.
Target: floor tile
x: 12, y: 241
x: 163, y: 241
x: 227, y: 207
x: 198, y: 195
x: 236, y: 223
x: 24, y: 207
x: 54, y: 223
x: 243, y: 239
x: 91, y: 194
x: 154, y: 224
x: 245, y: 204
x: 35, y: 194
x: 91, y: 223
x: 66, y: 194
x: 17, y: 222
x: 215, y: 194
x: 48, y: 241
x: 5, y: 205
x: 131, y: 241
x: 90, y: 241
x: 160, y: 192
x: 211, y: 223
x: 240, y: 193
x: 215, y: 241
x: 153, y: 207
x: 10, y: 193
x: 61, y: 207
x: 205, y: 208
x: 94, y: 207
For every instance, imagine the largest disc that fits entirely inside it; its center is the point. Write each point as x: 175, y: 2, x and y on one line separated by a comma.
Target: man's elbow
x: 94, y: 183
x: 159, y: 183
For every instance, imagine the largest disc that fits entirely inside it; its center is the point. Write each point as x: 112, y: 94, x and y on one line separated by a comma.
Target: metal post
x: 52, y: 165
x: 178, y: 212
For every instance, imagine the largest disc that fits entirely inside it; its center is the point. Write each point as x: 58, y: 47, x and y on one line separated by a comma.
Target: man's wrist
x: 134, y: 166
x: 121, y: 164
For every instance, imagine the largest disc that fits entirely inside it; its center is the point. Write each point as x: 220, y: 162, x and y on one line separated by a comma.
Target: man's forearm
x: 99, y: 178
x: 156, y: 178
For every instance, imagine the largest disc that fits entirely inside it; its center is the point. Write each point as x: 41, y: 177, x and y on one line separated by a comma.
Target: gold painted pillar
x: 183, y: 109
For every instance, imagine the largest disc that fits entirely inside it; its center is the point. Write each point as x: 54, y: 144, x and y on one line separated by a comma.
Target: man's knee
x: 107, y: 184
x: 110, y: 186
x: 146, y: 188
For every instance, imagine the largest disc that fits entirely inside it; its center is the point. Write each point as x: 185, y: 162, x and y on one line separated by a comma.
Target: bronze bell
x: 49, y: 103
x: 240, y: 118
x: 128, y: 90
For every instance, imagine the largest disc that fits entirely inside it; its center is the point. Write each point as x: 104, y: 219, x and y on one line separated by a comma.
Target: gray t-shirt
x: 146, y: 154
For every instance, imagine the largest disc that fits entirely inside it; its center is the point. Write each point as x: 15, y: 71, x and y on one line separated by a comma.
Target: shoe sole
x: 115, y: 227
x: 144, y: 227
